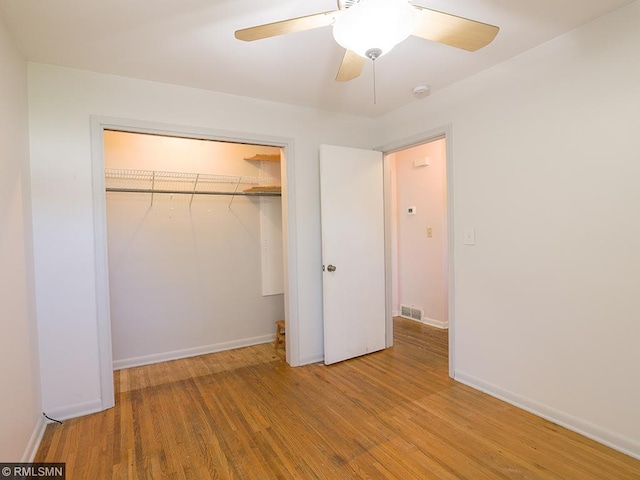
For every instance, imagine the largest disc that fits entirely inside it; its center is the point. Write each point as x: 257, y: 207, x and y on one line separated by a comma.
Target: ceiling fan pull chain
x: 374, y: 81
x: 373, y: 53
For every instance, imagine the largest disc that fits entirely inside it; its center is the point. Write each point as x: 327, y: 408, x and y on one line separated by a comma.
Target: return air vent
x: 412, y: 312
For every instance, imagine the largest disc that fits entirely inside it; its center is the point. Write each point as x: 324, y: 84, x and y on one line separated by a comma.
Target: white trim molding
x: 191, y: 352
x: 435, y: 323
x: 425, y: 320
x: 309, y: 359
x: 76, y: 410
x: 618, y: 442
x: 34, y: 441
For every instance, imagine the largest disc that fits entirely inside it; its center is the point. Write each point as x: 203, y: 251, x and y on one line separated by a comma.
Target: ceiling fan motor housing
x: 374, y: 24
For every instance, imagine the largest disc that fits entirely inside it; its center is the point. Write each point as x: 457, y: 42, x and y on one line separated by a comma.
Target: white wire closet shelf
x: 151, y: 181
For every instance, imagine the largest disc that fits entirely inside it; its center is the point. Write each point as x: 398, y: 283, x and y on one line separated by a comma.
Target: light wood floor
x: 245, y: 414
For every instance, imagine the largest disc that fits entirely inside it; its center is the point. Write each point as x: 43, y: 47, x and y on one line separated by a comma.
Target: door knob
x: 331, y: 268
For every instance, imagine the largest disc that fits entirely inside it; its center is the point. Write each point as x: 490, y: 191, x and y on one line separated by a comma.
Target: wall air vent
x: 412, y: 312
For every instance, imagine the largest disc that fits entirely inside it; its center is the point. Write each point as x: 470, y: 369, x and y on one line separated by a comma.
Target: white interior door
x: 352, y: 206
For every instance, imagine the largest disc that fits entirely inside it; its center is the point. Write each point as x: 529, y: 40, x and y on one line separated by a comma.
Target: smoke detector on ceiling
x: 421, y: 91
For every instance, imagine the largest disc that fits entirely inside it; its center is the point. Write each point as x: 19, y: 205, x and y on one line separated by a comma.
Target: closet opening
x: 194, y: 244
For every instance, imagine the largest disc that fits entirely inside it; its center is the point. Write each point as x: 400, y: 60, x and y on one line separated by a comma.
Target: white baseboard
x: 435, y: 323
x: 93, y: 406
x: 76, y: 410
x: 309, y: 359
x: 34, y: 441
x: 618, y: 442
x: 191, y: 352
x: 426, y: 320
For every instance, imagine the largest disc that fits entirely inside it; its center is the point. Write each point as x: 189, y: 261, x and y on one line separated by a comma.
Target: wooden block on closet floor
x: 280, y: 334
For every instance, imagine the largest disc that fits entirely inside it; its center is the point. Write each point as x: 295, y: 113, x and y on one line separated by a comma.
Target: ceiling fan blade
x: 452, y: 30
x: 351, y: 66
x: 283, y: 27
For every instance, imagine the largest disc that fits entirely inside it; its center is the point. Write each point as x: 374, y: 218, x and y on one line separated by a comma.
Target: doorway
x: 194, y: 233
x: 418, y: 211
x: 101, y: 124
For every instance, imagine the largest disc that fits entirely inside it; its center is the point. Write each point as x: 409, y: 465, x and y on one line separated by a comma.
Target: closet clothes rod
x: 190, y: 192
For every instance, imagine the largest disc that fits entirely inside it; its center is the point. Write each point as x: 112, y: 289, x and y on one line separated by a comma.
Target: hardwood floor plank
x: 245, y: 414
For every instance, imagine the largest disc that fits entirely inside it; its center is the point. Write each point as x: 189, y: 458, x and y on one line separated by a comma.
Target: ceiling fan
x: 371, y: 28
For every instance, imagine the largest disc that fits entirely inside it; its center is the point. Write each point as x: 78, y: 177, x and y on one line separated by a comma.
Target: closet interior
x: 194, y: 236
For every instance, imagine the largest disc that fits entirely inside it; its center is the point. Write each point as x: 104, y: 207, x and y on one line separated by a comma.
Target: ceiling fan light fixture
x: 374, y: 24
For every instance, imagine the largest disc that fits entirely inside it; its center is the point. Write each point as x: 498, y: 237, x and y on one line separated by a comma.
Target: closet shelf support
x: 189, y: 192
x: 192, y: 184
x: 195, y: 185
x: 235, y: 190
x: 153, y: 187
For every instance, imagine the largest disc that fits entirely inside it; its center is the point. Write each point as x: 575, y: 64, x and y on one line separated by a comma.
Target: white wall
x: 422, y: 260
x: 185, y: 273
x: 546, y: 168
x: 545, y: 155
x: 20, y: 419
x: 60, y: 104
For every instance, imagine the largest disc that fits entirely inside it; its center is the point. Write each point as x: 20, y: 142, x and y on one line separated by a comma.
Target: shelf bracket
x: 195, y: 185
x: 153, y: 186
x: 234, y: 191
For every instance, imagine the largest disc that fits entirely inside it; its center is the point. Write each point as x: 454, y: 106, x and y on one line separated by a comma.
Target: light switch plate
x: 469, y: 236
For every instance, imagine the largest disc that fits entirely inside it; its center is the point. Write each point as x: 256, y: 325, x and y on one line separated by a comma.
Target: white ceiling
x: 191, y: 43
